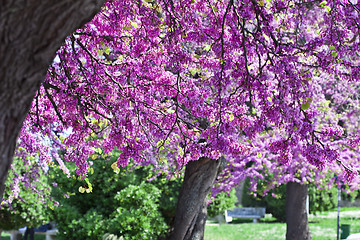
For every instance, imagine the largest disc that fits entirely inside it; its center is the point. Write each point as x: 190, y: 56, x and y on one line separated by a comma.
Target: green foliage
x: 275, y: 201
x: 349, y: 195
x: 222, y: 202
x: 30, y: 209
x: 322, y: 200
x: 170, y: 189
x: 121, y: 203
x: 137, y: 216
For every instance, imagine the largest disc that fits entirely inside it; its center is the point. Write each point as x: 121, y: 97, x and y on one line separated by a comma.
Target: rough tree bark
x: 191, y: 212
x: 297, y: 227
x: 30, y: 33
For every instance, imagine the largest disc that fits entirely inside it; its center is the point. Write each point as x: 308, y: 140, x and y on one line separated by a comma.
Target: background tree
x: 275, y: 199
x: 336, y: 107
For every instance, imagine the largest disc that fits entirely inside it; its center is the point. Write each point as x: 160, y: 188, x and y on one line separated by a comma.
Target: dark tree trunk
x: 30, y: 33
x: 191, y: 212
x: 297, y: 227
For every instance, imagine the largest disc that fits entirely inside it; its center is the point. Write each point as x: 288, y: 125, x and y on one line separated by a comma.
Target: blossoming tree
x: 194, y: 83
x: 280, y: 160
x: 30, y: 35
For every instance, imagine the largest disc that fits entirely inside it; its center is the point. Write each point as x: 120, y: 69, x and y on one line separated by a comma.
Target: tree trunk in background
x: 297, y: 227
x: 30, y: 33
x: 191, y: 212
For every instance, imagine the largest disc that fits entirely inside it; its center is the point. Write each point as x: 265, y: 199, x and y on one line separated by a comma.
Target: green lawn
x: 238, y: 231
x: 322, y: 226
x: 6, y: 236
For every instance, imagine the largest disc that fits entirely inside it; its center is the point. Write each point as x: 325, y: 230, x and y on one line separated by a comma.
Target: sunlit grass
x: 323, y: 227
x: 6, y: 236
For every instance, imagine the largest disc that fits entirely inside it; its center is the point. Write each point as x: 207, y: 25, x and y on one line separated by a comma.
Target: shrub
x: 119, y: 202
x: 30, y: 208
x: 322, y: 200
x: 138, y: 215
x: 275, y: 201
x: 222, y: 202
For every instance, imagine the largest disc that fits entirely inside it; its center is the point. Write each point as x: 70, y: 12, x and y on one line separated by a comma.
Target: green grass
x: 6, y: 236
x: 322, y: 226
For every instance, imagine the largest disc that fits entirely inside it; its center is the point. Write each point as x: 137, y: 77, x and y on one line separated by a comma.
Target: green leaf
x: 207, y: 47
x: 334, y: 53
x: 322, y: 4
x: 305, y: 106
x: 260, y: 2
x: 107, y: 50
x: 88, y: 182
x: 193, y: 71
x: 81, y: 189
x: 159, y: 143
x: 134, y: 24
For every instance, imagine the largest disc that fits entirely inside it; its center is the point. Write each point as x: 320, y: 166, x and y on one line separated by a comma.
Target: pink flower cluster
x: 336, y: 131
x: 169, y: 83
